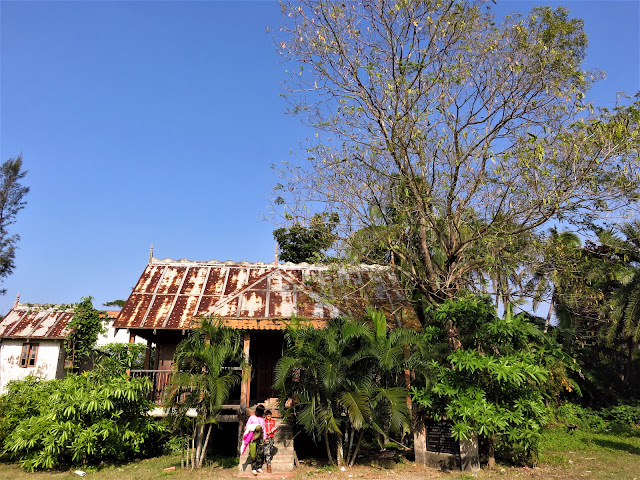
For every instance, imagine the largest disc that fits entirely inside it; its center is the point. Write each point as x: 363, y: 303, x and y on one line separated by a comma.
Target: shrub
x: 87, y: 418
x: 583, y: 417
x: 624, y: 414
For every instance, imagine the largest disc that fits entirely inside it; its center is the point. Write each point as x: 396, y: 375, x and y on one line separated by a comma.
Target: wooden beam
x: 245, y: 388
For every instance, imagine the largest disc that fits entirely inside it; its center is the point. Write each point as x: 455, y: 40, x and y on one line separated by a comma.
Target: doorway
x: 265, y: 351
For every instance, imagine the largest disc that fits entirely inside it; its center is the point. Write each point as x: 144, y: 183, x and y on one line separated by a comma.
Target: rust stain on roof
x: 172, y: 294
x: 39, y: 321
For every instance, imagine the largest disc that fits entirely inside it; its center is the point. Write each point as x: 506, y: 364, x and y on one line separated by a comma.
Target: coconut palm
x: 203, y: 378
x: 559, y: 263
x: 623, y: 321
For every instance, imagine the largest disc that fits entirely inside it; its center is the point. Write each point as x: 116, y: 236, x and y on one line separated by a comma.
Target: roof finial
x: 17, y: 300
x: 276, y: 262
x: 151, y: 253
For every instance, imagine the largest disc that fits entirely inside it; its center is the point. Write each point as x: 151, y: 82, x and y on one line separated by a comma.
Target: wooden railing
x: 160, y: 381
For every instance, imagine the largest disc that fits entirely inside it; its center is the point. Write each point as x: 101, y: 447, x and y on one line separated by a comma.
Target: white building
x: 32, y: 341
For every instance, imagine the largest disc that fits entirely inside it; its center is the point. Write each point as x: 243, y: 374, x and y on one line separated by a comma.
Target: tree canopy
x: 12, y: 194
x: 448, y: 135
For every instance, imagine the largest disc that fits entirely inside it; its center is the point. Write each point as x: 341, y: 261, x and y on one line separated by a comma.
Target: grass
x: 581, y: 455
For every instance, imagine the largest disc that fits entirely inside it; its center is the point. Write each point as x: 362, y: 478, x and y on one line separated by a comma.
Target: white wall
x: 49, y: 363
x: 110, y: 336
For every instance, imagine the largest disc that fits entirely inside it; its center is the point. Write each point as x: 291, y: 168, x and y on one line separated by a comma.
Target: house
x: 32, y: 340
x: 256, y: 298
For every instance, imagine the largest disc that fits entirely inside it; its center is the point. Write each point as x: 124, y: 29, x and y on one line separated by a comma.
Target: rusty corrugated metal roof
x: 39, y: 321
x: 171, y: 293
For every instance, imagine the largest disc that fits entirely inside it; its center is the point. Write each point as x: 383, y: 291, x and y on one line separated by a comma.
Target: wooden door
x: 266, y: 350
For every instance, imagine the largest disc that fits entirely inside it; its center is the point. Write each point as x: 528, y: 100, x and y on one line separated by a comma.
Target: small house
x: 32, y: 340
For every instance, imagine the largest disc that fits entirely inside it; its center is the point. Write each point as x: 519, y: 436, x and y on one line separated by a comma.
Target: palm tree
x: 623, y: 322
x: 339, y: 381
x: 559, y: 264
x: 203, y: 378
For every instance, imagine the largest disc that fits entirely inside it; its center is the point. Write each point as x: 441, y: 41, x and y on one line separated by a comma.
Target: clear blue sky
x: 156, y: 121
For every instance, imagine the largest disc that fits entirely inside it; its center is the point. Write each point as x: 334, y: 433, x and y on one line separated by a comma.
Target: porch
x: 262, y: 349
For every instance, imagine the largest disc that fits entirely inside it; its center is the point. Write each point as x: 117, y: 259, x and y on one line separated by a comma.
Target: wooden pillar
x: 245, y: 388
x: 156, y: 365
x: 132, y: 339
x: 147, y: 355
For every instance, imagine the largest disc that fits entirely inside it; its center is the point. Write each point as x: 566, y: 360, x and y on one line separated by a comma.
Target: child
x: 269, y: 430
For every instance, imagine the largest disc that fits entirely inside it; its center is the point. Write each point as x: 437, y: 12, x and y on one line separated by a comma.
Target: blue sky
x: 147, y: 122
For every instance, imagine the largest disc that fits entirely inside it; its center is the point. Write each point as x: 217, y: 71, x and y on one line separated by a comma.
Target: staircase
x: 283, y: 453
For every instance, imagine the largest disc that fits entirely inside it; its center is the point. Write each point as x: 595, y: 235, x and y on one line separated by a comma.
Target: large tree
x: 448, y: 135
x: 12, y: 194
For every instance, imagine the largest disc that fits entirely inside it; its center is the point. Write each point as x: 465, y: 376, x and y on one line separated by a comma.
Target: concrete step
x: 283, y: 452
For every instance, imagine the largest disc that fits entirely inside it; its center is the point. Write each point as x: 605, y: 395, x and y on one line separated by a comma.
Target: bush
x: 583, y: 417
x: 22, y: 399
x: 82, y: 419
x: 624, y: 414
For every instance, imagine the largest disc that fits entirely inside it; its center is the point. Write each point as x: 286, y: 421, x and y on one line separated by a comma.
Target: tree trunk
x: 350, y: 448
x: 199, y: 440
x: 453, y: 335
x: 492, y: 453
x: 193, y: 449
x: 547, y: 321
x: 203, y: 452
x: 326, y: 443
x: 357, y: 449
x: 339, y: 452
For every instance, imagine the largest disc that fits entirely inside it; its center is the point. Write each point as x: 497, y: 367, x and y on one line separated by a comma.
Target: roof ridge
x: 326, y: 266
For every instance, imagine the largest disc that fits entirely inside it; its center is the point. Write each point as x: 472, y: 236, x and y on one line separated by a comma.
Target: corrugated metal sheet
x: 38, y: 321
x: 172, y: 293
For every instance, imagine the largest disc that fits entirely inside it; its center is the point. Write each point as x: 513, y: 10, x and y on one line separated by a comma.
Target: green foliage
x: 85, y: 326
x: 447, y: 138
x: 207, y: 365
x: 307, y: 244
x: 115, y: 303
x: 623, y: 414
x: 120, y: 357
x: 583, y: 417
x: 23, y: 399
x: 345, y: 379
x: 81, y: 419
x: 495, y: 384
x: 598, y: 304
x: 12, y: 194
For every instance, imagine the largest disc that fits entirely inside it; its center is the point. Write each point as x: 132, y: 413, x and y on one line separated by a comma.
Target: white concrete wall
x: 110, y: 336
x: 49, y: 363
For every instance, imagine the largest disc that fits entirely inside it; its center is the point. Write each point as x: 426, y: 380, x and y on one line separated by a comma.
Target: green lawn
x: 581, y: 455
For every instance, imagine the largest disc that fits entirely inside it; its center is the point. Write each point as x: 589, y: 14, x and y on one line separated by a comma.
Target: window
x: 29, y: 355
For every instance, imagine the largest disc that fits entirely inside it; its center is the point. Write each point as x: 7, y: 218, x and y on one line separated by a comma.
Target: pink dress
x: 252, y: 423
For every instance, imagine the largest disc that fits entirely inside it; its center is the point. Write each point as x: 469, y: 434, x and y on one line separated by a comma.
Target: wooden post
x: 132, y: 339
x: 245, y: 392
x: 245, y: 388
x: 147, y: 355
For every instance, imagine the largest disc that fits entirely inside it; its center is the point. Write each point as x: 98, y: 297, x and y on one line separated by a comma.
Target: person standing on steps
x: 256, y: 420
x: 269, y: 429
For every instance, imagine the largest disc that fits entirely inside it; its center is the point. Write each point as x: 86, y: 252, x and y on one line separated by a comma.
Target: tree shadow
x: 625, y: 447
